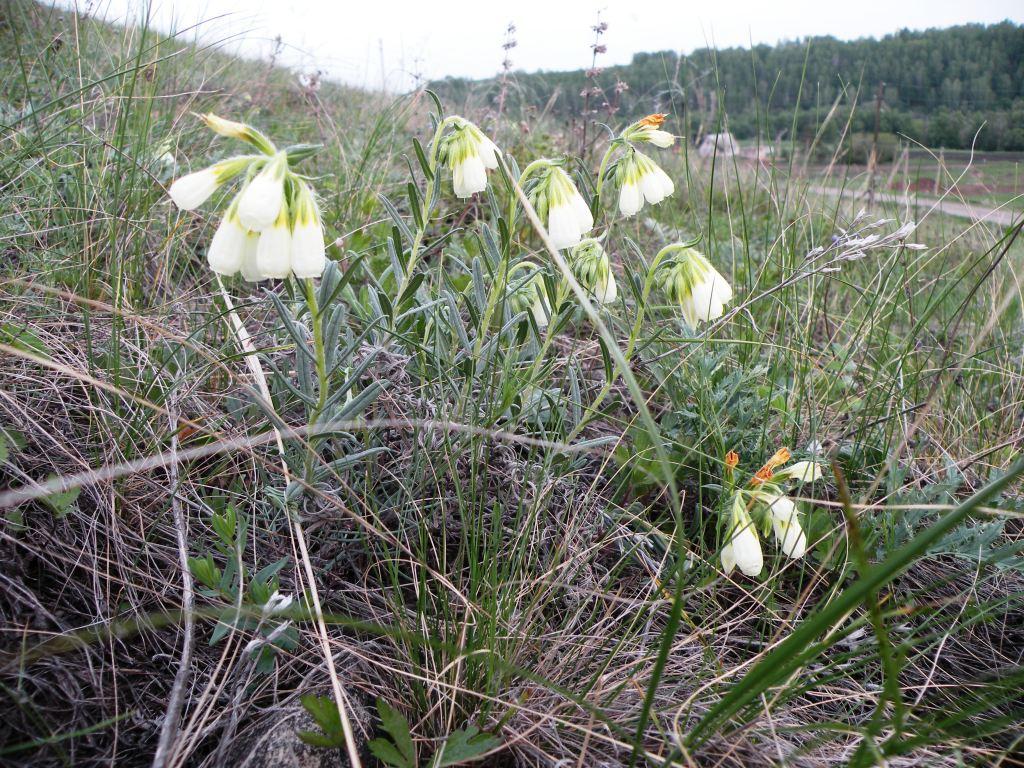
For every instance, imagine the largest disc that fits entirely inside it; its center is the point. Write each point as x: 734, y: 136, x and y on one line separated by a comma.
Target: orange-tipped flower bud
x: 764, y: 474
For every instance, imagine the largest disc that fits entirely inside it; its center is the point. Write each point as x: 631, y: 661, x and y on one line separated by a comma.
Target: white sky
x: 372, y: 43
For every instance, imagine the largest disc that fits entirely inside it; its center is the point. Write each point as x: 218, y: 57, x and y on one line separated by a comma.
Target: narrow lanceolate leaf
x: 415, y: 204
x: 327, y: 298
x: 299, y: 152
x: 422, y: 157
x: 340, y: 465
x: 396, y: 217
x: 299, y: 334
x: 362, y: 401
x: 455, y: 320
x: 803, y: 645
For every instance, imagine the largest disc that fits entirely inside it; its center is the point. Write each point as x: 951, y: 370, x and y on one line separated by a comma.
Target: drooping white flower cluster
x: 689, y: 280
x: 765, y: 497
x: 640, y: 179
x: 272, y: 228
x: 469, y: 154
x: 560, y: 205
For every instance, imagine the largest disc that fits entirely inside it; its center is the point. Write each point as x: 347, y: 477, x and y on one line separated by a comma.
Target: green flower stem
x: 604, y: 167
x: 323, y: 385
x: 498, y: 290
x: 634, y: 334
x: 425, y: 209
x: 549, y: 336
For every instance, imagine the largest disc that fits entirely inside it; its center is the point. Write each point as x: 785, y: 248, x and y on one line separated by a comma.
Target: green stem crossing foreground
x: 323, y: 387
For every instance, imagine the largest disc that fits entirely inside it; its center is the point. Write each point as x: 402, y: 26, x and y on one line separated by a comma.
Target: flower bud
x: 592, y: 268
x: 241, y: 131
x: 649, y: 131
x: 531, y: 295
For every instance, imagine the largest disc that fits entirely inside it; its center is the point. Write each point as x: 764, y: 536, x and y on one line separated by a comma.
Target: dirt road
x: 1004, y: 215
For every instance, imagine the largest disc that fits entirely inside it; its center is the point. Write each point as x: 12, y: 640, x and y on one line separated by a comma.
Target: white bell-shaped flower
x: 568, y: 215
x: 250, y: 269
x: 261, y: 201
x: 227, y: 246
x: 274, y: 250
x: 193, y: 189
x: 744, y: 550
x: 801, y: 472
x: 654, y: 182
x: 786, y: 525
x: 276, y: 603
x: 309, y: 254
x: 742, y: 547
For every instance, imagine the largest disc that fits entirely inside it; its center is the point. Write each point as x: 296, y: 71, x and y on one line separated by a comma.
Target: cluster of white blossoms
x: 592, y: 268
x: 640, y: 179
x: 469, y: 154
x: 272, y: 228
x: 560, y: 206
x: 689, y: 280
x: 765, y: 496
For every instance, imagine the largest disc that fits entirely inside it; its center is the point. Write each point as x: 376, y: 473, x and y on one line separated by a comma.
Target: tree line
x: 952, y: 88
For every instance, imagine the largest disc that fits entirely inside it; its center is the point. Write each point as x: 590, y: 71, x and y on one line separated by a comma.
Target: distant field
x: 992, y: 178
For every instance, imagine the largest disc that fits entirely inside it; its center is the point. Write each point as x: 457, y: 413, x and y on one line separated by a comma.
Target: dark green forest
x: 952, y: 88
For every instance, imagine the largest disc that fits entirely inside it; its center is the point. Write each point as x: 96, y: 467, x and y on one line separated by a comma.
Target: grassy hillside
x: 487, y: 516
